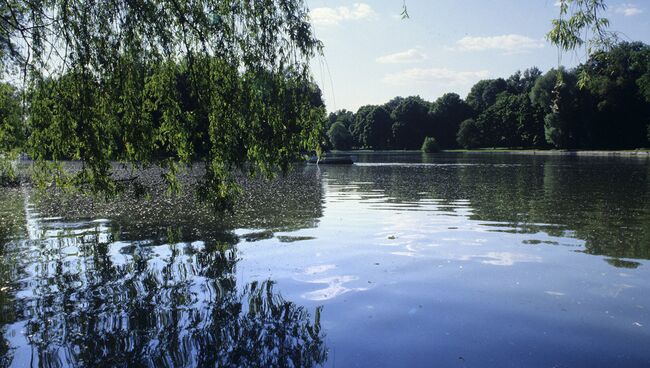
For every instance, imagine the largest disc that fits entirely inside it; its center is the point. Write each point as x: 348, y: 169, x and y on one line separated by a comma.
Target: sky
x: 372, y: 55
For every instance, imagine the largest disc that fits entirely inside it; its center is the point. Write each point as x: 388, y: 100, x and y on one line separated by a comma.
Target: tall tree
x: 340, y: 136
x: 393, y: 103
x: 376, y: 129
x: 619, y: 111
x: 344, y: 116
x: 484, y: 93
x: 512, y: 122
x: 359, y: 126
x: 447, y: 113
x: 523, y: 82
x: 411, y: 122
x: 561, y: 105
x: 469, y: 134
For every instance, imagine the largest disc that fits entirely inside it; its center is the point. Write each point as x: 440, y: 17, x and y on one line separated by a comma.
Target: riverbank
x: 600, y: 153
x: 588, y: 153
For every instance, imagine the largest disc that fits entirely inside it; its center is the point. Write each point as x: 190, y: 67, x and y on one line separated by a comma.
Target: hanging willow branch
x: 163, y: 82
x: 581, y: 23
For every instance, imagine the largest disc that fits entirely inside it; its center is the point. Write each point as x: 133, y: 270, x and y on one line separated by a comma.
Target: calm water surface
x: 399, y: 260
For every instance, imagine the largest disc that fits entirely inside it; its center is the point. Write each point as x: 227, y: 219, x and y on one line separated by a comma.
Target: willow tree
x: 110, y: 80
x: 12, y: 134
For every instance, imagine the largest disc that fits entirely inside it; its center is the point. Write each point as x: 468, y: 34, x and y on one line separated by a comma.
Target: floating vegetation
x: 292, y: 239
x: 621, y: 263
x: 536, y: 242
x: 257, y: 236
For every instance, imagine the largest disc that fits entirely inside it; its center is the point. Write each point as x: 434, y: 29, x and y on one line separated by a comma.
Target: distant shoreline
x: 598, y: 153
x: 644, y: 153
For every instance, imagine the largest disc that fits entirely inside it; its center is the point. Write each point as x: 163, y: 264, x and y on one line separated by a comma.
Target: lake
x: 401, y: 260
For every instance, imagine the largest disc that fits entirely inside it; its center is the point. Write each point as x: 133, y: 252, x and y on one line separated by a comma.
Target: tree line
x: 604, y: 103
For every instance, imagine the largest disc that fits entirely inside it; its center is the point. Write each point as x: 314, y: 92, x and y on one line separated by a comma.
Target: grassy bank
x: 637, y: 152
x: 645, y: 152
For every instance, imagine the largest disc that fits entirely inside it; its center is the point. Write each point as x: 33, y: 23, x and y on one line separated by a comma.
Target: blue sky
x: 371, y: 55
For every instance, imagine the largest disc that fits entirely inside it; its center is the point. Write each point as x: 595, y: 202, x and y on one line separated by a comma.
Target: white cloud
x: 441, y: 76
x: 408, y: 56
x: 333, y: 16
x: 628, y: 10
x: 509, y: 44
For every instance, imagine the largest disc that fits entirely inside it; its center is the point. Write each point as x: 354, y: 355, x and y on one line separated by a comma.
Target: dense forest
x: 603, y: 103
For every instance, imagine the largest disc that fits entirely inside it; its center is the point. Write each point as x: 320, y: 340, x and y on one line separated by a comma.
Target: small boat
x: 331, y: 160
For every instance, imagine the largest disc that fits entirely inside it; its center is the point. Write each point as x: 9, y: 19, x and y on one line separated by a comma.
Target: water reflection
x: 604, y: 202
x: 12, y: 220
x: 97, y: 293
x: 534, y: 261
x: 292, y: 202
